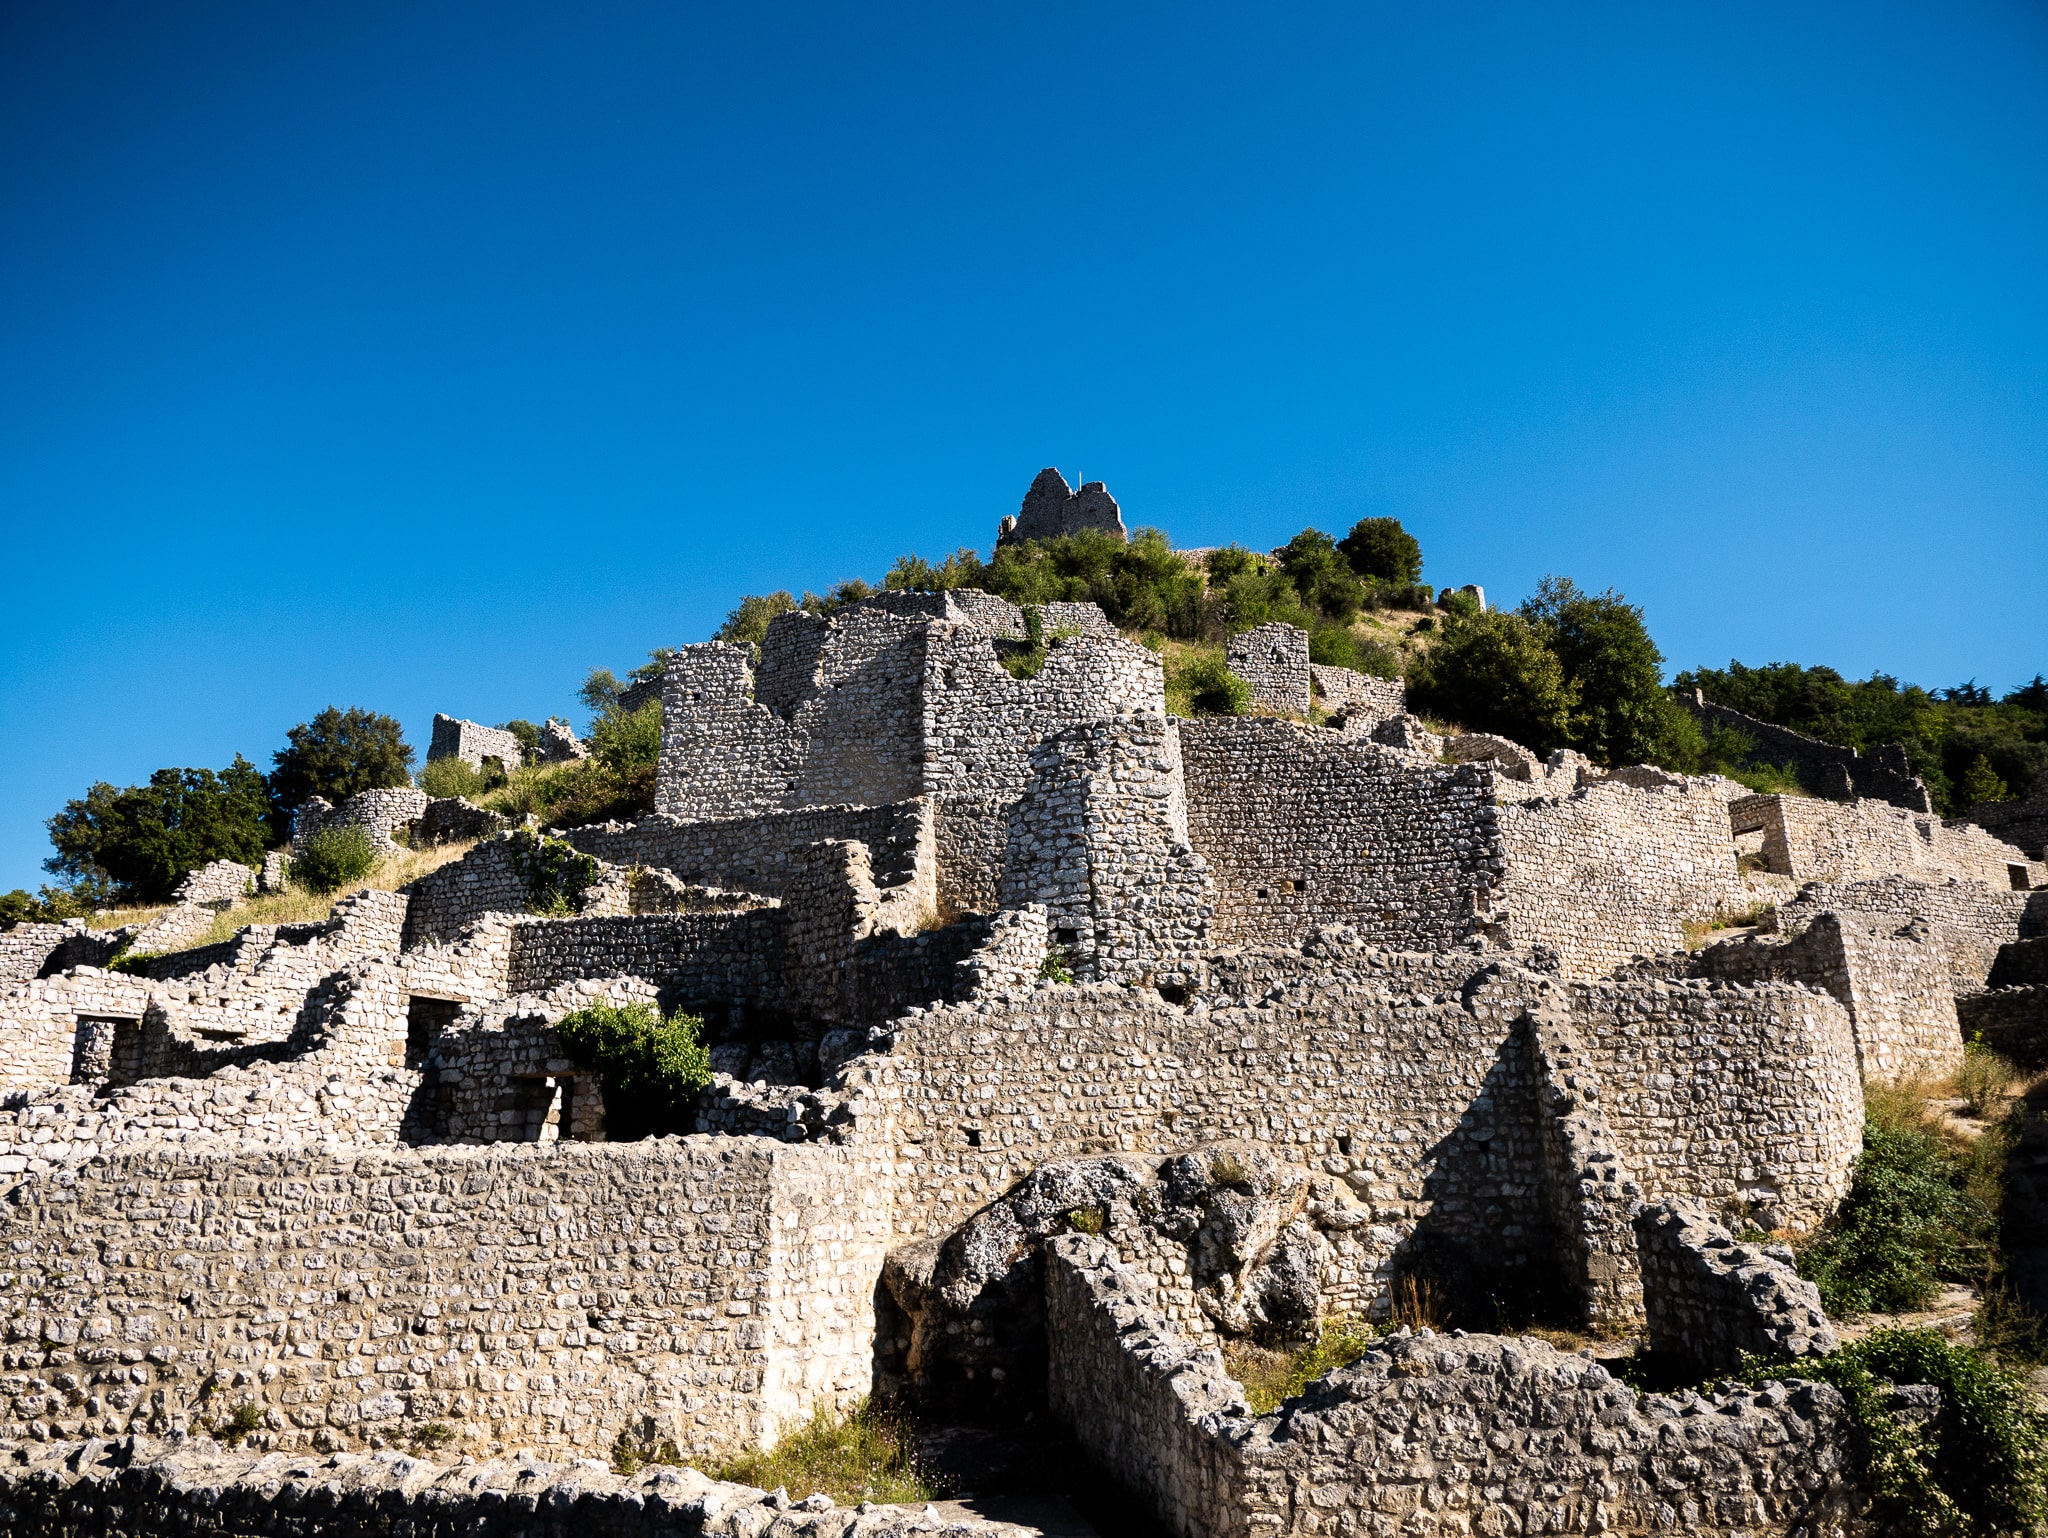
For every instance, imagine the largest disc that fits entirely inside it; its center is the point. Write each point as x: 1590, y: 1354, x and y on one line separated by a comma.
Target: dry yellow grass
x: 297, y: 905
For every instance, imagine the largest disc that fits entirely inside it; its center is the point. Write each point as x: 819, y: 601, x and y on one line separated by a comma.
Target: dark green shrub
x: 137, y: 844
x: 528, y: 735
x: 1376, y: 658
x: 653, y: 1068
x: 1909, y: 1223
x: 556, y: 872
x: 1456, y: 601
x: 336, y: 754
x: 914, y: 574
x: 1058, y: 965
x: 1265, y: 597
x: 334, y: 857
x: 1611, y: 665
x: 1323, y: 580
x: 1381, y: 548
x: 1977, y: 1468
x: 1332, y: 645
x: 1227, y: 561
x: 748, y: 624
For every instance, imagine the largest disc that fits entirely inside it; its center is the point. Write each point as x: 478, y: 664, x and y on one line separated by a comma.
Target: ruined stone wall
x: 706, y: 1289
x: 969, y: 835
x: 1301, y: 827
x: 986, y: 614
x: 1841, y: 774
x: 1099, y: 838
x: 1613, y: 870
x: 39, y: 1022
x: 2022, y: 821
x: 1359, y: 697
x: 760, y: 853
x: 1273, y: 660
x: 32, y: 950
x: 1712, y: 1303
x: 697, y: 959
x: 380, y: 812
x: 1052, y: 508
x: 1392, y: 1072
x: 1971, y: 920
x: 2012, y: 1022
x: 1483, y: 1434
x: 444, y: 901
x: 142, y: 1488
x: 456, y: 738
x: 1810, y: 839
x: 1893, y: 979
x: 1731, y: 1095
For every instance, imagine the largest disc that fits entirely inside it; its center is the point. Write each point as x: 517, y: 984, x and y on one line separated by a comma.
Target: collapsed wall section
x: 1810, y: 839
x: 1301, y: 827
x: 1972, y: 921
x: 709, y: 1290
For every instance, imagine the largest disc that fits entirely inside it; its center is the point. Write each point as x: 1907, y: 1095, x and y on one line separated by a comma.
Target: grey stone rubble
x: 1056, y: 1043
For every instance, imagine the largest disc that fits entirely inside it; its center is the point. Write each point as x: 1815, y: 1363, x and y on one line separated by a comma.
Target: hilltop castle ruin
x: 1349, y: 1003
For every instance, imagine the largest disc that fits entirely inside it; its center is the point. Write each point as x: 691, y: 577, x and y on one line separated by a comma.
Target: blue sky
x: 424, y: 356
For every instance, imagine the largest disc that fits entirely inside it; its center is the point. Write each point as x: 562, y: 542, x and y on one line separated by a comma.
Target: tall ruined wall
x: 1273, y: 660
x: 1614, y: 870
x: 713, y: 1289
x: 1359, y: 697
x: 835, y: 721
x: 456, y: 738
x: 1893, y: 979
x: 1728, y: 1094
x: 1099, y: 838
x: 1970, y: 919
x: 1301, y: 827
x: 1810, y: 839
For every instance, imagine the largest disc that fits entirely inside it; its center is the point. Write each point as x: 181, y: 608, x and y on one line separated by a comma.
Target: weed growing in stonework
x: 1271, y: 1377
x: 247, y: 1418
x: 556, y: 872
x: 1058, y: 966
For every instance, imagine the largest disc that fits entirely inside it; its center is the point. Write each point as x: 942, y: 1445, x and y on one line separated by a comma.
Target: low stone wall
x: 697, y: 958
x: 708, y: 1290
x: 1162, y: 1414
x: 1810, y: 839
x: 39, y: 1021
x: 485, y: 880
x: 1892, y: 978
x: 2022, y: 821
x: 381, y: 812
x: 1823, y: 768
x: 1358, y: 697
x: 761, y: 853
x: 134, y: 1487
x: 1478, y: 1433
x: 25, y: 947
x: 1711, y: 1302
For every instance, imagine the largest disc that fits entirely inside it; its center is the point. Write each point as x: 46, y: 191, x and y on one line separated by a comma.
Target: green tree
x: 1382, y: 549
x: 136, y: 844
x: 1495, y: 672
x: 914, y: 574
x: 1980, y: 783
x: 748, y: 624
x: 1611, y: 665
x: 1321, y: 576
x: 337, y: 754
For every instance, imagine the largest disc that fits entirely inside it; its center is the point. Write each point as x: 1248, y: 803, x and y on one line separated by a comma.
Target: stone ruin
x: 1057, y: 1043
x: 1053, y: 508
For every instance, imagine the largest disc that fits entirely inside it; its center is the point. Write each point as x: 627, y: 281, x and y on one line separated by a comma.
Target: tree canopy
x: 136, y: 844
x: 338, y: 754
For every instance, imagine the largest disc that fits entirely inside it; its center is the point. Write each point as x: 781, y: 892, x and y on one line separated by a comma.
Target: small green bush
x: 653, y: 1068
x: 333, y: 857
x: 1456, y: 601
x: 1333, y: 646
x: 1057, y: 967
x: 866, y: 1456
x: 1202, y: 685
x: 443, y: 777
x: 247, y: 1418
x: 1984, y: 1079
x: 1980, y: 1466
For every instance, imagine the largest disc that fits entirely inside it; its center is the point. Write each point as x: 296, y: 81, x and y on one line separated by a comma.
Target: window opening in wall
x: 2017, y: 875
x: 1065, y: 936
x: 425, y: 1020
x: 107, y: 1052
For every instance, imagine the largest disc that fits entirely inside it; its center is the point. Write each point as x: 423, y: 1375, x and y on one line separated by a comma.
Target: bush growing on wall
x: 653, y: 1069
x: 1200, y: 684
x: 334, y: 857
x: 556, y: 872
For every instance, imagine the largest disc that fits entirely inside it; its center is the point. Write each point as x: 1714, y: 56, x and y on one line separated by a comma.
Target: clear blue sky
x: 424, y: 356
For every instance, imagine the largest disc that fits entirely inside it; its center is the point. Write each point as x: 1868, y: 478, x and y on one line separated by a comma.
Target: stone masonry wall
x: 1893, y: 979
x: 1738, y: 1097
x: 1972, y: 921
x: 1810, y: 839
x: 1301, y: 827
x: 382, y: 812
x: 456, y: 738
x: 1273, y: 659
x: 760, y: 853
x: 1612, y: 870
x: 1359, y: 697
x: 1711, y: 1302
x: 1466, y: 1433
x: 707, y: 1289
x: 697, y: 959
x: 1841, y: 774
